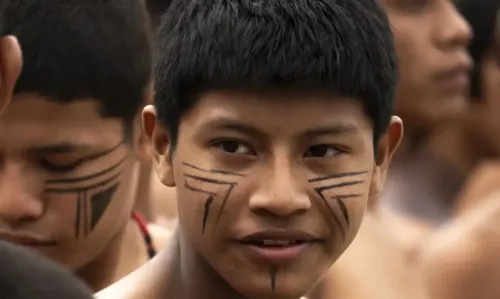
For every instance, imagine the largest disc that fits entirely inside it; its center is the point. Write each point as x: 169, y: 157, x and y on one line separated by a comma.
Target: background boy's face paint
x: 60, y: 159
x: 92, y: 192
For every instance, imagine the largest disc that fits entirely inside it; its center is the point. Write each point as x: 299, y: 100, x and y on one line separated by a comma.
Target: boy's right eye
x: 233, y: 147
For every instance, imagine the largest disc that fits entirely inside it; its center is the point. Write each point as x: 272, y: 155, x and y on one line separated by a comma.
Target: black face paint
x: 213, y: 170
x: 211, y: 195
x: 273, y: 271
x: 339, y: 198
x: 93, y: 192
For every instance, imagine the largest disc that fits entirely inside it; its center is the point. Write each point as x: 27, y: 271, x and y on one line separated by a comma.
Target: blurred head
x: 25, y: 275
x: 483, y: 121
x: 67, y: 140
x: 275, y: 133
x: 431, y: 43
x: 10, y: 63
x: 156, y: 8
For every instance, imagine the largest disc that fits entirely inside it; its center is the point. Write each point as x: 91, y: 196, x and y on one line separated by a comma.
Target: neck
x: 124, y: 253
x: 454, y: 145
x: 191, y: 277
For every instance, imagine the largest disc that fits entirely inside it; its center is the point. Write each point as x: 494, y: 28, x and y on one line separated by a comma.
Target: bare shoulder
x: 160, y: 235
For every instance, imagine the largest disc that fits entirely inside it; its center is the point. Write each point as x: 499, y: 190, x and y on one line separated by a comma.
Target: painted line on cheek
x: 340, y: 199
x: 216, y: 171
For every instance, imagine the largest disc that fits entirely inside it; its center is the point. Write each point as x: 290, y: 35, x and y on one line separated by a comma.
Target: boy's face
x: 271, y: 186
x: 66, y: 178
x: 431, y: 42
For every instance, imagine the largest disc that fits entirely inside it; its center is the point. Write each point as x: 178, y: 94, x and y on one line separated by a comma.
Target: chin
x: 284, y: 288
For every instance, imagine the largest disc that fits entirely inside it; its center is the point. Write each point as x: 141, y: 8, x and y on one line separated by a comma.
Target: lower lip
x: 457, y: 82
x: 277, y: 254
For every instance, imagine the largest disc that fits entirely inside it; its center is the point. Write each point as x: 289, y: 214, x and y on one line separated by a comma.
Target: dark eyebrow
x: 229, y: 124
x: 333, y: 129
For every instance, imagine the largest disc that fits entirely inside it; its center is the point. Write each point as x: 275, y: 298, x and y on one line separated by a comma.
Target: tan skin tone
x: 10, y: 68
x: 278, y: 143
x: 430, y: 37
x: 465, y: 253
x: 46, y: 148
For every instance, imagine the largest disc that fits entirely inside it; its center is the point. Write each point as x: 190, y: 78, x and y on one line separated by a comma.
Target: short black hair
x: 482, y: 16
x: 344, y: 46
x: 25, y: 275
x: 91, y: 49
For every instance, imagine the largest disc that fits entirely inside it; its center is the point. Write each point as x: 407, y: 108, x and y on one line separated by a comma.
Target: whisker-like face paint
x: 339, y: 198
x: 273, y: 272
x: 211, y: 195
x: 93, y: 193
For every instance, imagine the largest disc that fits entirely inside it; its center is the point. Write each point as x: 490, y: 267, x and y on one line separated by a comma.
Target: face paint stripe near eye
x: 89, y: 177
x: 336, y: 176
x: 207, y: 180
x: 194, y: 189
x: 209, y: 200
x: 213, y: 170
x: 84, y: 188
x: 339, y: 185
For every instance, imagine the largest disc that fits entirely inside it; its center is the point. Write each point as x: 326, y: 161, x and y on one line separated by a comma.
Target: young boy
x: 273, y: 121
x: 68, y: 143
x: 10, y: 62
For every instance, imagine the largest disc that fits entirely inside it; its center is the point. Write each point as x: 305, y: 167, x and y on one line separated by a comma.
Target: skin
x: 430, y: 37
x: 464, y: 254
x: 276, y: 152
x: 10, y: 68
x: 46, y: 148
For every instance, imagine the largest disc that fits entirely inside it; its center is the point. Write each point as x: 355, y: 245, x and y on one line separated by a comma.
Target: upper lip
x: 460, y: 68
x: 25, y: 239
x: 281, y: 235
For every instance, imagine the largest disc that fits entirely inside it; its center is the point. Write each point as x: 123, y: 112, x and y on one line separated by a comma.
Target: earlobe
x: 387, y: 146
x: 141, y: 142
x: 10, y: 68
x: 159, y: 141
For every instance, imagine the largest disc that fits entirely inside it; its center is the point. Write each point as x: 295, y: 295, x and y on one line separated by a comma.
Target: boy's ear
x: 387, y: 146
x: 160, y: 145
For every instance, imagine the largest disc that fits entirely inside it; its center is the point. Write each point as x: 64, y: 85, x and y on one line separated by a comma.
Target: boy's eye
x: 52, y: 167
x: 233, y: 147
x: 322, y: 151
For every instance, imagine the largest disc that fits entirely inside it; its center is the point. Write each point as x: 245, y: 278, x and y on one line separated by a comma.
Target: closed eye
x: 49, y: 166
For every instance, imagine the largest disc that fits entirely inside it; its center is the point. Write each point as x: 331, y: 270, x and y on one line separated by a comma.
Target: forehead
x: 278, y: 111
x: 31, y: 120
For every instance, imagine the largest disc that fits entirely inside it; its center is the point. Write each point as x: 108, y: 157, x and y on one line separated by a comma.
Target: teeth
x: 278, y: 242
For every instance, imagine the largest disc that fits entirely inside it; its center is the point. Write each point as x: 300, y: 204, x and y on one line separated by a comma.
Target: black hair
x: 25, y: 275
x: 84, y: 49
x: 156, y: 8
x: 344, y: 46
x: 482, y: 16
